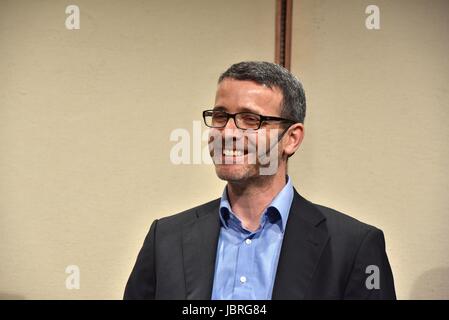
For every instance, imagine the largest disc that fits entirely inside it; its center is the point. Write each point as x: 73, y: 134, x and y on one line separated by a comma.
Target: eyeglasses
x: 243, y: 120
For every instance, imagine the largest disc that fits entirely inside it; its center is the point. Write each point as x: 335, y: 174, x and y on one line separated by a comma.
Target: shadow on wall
x: 8, y: 296
x: 432, y: 284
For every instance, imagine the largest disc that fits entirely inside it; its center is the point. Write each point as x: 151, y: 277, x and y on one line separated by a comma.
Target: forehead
x: 241, y: 95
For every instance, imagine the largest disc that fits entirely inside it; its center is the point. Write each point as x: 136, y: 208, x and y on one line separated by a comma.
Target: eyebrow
x: 241, y: 109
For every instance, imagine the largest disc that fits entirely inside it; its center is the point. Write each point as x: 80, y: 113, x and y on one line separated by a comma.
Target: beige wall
x: 86, y: 116
x: 376, y: 143
x: 85, y: 120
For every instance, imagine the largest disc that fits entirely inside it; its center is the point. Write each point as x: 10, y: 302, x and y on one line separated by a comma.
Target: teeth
x: 232, y: 153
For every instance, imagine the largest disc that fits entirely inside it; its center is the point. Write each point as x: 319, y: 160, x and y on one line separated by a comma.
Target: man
x: 261, y: 239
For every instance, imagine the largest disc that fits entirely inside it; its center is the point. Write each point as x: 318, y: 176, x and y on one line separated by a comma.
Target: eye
x: 219, y: 116
x: 248, y: 117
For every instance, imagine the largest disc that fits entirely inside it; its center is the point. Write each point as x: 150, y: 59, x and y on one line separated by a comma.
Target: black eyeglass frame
x: 262, y: 119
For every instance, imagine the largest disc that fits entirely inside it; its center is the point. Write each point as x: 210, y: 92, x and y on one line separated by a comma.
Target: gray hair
x: 273, y: 75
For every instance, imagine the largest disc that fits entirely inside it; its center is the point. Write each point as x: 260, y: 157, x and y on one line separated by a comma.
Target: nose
x: 231, y: 124
x: 231, y: 133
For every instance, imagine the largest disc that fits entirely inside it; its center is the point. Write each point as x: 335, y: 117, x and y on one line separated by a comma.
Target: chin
x: 235, y: 172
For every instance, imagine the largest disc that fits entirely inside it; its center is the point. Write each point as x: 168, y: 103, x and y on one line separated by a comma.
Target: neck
x: 249, y: 199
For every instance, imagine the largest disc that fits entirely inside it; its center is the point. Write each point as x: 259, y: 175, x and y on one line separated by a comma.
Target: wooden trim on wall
x: 283, y: 33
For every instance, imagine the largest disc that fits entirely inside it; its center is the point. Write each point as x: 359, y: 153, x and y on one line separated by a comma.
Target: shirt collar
x: 281, y: 203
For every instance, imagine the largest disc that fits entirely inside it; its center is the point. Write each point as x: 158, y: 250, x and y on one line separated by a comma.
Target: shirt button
x: 248, y: 241
x: 242, y: 279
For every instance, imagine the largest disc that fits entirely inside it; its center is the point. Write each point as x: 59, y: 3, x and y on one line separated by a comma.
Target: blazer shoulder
x: 341, y: 223
x: 190, y: 214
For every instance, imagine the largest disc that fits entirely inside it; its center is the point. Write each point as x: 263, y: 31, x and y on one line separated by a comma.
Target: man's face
x: 244, y: 96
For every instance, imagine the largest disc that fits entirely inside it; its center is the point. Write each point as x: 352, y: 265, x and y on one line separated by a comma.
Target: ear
x: 293, y: 139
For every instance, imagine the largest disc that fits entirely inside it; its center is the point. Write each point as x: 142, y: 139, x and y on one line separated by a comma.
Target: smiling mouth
x: 235, y: 157
x: 233, y: 153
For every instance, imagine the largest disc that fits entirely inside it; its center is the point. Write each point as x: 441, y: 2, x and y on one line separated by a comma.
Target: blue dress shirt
x: 246, y: 261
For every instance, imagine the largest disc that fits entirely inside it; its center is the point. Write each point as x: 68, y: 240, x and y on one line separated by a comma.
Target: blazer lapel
x: 200, y: 240
x: 303, y: 243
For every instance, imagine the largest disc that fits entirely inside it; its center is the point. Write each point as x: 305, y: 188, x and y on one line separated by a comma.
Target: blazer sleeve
x: 142, y: 281
x: 371, y: 276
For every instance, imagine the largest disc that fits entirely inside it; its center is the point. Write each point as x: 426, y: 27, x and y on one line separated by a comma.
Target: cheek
x: 214, y: 140
x: 213, y: 134
x: 265, y: 140
x: 251, y: 138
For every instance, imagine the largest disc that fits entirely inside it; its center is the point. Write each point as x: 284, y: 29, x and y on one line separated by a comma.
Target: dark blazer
x: 324, y: 255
